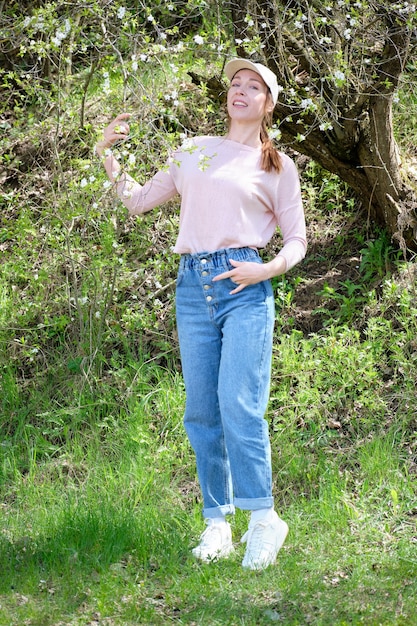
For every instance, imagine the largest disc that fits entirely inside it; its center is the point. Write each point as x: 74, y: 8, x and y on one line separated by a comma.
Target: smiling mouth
x: 239, y: 103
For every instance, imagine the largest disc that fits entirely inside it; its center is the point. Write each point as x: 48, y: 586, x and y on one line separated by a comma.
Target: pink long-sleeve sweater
x: 227, y: 200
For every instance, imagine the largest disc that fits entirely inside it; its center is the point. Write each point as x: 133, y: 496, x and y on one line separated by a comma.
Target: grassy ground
x: 99, y: 541
x: 100, y: 532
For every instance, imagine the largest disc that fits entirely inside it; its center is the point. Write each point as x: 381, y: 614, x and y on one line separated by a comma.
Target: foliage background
x: 99, y: 501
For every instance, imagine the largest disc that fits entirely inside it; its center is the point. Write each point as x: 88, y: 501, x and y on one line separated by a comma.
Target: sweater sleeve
x: 141, y: 198
x: 290, y: 215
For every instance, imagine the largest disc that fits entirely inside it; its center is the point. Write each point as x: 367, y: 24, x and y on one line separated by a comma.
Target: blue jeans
x: 226, y: 349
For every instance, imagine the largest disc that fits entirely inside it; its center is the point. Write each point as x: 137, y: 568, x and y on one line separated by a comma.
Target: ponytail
x: 270, y: 158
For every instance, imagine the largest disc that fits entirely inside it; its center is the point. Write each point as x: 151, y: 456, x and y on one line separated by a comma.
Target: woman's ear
x: 269, y: 106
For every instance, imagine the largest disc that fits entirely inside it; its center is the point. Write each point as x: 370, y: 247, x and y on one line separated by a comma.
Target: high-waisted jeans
x: 226, y: 350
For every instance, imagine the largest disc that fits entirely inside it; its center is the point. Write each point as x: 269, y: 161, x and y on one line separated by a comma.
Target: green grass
x: 101, y: 530
x: 75, y: 554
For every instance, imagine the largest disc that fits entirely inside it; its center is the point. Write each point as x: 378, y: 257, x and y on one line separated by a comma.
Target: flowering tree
x: 340, y: 64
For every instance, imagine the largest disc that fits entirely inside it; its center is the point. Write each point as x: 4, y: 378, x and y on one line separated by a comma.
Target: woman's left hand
x: 244, y: 273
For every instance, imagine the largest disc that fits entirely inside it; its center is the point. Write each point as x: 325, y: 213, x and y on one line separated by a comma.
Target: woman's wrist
x: 102, y: 148
x: 276, y: 266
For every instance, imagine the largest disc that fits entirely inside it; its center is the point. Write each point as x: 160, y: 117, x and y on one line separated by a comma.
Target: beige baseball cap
x: 268, y: 76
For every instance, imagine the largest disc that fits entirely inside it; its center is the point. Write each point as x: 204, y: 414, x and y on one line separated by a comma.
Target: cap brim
x: 239, y: 64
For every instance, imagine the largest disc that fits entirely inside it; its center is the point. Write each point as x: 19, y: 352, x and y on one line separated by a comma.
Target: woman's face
x: 248, y: 97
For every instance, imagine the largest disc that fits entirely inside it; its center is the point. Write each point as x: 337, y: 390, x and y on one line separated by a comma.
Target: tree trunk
x: 373, y: 171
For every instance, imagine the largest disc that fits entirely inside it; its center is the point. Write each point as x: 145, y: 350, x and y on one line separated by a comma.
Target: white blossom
x: 275, y: 133
x: 199, y: 40
x: 121, y: 11
x: 187, y: 144
x: 83, y: 182
x: 106, y: 83
x: 307, y: 103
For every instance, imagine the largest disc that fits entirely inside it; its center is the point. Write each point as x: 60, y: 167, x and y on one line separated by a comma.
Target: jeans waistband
x: 219, y: 258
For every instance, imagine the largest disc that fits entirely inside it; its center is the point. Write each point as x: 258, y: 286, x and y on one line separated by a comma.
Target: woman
x: 235, y: 190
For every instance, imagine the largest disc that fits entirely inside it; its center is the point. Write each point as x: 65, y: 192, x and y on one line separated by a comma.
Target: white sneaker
x: 215, y: 542
x: 264, y: 540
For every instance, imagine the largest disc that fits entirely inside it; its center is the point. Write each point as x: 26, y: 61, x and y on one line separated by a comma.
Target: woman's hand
x: 246, y: 273
x: 117, y: 130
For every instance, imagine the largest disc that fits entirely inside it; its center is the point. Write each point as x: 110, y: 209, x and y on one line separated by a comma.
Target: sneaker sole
x: 209, y: 558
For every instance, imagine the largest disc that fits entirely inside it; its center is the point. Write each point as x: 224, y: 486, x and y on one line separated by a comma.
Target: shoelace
x: 206, y: 537
x: 253, y: 536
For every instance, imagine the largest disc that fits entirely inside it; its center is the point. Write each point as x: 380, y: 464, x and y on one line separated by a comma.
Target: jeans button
x: 204, y: 273
x: 203, y: 261
x: 209, y: 298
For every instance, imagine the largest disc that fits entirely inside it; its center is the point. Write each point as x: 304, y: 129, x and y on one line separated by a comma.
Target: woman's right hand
x: 117, y: 130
